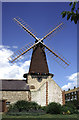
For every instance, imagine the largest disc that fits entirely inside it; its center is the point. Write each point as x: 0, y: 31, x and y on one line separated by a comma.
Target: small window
x: 72, y: 97
x: 69, y: 98
x: 7, y: 103
x: 75, y: 92
x: 75, y: 97
x: 69, y: 94
x: 39, y: 79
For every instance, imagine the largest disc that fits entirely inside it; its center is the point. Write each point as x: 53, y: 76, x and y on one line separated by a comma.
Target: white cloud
x: 14, y: 47
x: 73, y: 77
x: 73, y: 80
x: 5, y: 46
x: 9, y: 70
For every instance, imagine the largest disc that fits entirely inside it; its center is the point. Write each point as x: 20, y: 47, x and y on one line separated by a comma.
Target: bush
x: 44, y: 108
x: 72, y: 106
x: 73, y: 103
x: 66, y: 110
x: 69, y: 108
x: 54, y: 108
x: 22, y: 105
x: 12, y: 109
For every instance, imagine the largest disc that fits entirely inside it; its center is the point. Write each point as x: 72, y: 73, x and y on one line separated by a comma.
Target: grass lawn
x: 45, y: 116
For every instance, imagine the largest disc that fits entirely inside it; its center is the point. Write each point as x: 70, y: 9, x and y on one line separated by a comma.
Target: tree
x: 73, y: 15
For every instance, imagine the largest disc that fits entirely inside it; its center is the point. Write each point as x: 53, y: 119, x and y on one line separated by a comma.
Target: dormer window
x: 39, y: 79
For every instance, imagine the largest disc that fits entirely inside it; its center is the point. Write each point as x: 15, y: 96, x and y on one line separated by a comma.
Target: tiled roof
x: 13, y: 85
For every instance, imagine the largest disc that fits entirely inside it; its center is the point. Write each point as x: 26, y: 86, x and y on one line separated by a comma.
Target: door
x: 2, y: 105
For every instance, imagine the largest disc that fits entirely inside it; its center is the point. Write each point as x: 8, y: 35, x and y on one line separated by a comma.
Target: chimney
x: 68, y: 89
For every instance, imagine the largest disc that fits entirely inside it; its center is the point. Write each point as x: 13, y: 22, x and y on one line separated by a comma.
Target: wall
x: 14, y: 96
x: 54, y: 93
x: 33, y: 81
x: 39, y: 95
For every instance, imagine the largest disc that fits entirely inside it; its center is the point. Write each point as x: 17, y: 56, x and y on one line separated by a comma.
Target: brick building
x: 72, y: 95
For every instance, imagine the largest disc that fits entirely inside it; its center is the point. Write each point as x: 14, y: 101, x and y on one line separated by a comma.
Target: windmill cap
x: 42, y: 74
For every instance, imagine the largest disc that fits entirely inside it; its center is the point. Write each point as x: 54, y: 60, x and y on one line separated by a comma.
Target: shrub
x: 54, y: 108
x: 33, y: 106
x: 12, y: 109
x: 73, y: 104
x: 69, y: 108
x: 22, y: 105
x: 72, y: 107
x: 66, y: 110
x: 44, y: 108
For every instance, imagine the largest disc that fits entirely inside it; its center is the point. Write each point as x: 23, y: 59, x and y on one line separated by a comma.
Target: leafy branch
x: 73, y: 15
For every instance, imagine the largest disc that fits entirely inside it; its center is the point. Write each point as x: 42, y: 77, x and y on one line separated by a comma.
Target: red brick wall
x: 29, y: 96
x: 3, y: 107
x: 63, y: 97
x: 46, y: 93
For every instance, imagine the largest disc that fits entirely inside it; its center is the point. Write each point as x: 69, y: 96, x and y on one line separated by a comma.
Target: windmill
x: 38, y: 60
x: 43, y: 89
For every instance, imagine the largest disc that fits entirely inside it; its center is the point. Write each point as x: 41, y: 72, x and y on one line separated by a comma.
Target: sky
x: 41, y: 17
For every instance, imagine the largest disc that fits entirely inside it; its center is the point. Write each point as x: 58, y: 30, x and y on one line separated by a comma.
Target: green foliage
x: 69, y: 107
x: 73, y: 15
x: 63, y: 14
x: 73, y: 103
x: 22, y: 105
x: 67, y: 110
x: 69, y: 15
x: 12, y: 108
x: 44, y: 108
x: 40, y: 117
x: 54, y: 108
x: 70, y: 4
x: 25, y: 107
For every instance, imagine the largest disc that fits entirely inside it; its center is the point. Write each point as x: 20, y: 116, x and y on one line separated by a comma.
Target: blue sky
x: 41, y: 17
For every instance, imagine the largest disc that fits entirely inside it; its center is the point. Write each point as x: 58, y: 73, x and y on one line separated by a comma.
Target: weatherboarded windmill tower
x: 43, y: 89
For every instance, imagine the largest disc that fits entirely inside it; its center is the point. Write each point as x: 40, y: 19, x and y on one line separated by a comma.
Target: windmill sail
x: 20, y: 52
x: 57, y: 57
x: 52, y: 31
x: 25, y: 27
x: 38, y: 56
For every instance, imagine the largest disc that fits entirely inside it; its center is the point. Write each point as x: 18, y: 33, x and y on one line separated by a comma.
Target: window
x: 75, y: 97
x: 68, y: 99
x: 69, y: 94
x: 39, y: 79
x: 75, y: 92
x: 72, y: 97
x: 7, y: 103
x: 72, y: 93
